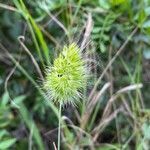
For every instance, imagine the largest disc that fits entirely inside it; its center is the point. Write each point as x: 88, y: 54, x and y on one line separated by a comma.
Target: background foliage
x: 115, y: 108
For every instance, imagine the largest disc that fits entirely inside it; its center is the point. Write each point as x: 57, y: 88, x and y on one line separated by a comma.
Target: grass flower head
x: 67, y: 76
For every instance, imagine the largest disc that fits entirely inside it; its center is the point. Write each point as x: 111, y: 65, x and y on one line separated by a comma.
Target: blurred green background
x: 116, y: 115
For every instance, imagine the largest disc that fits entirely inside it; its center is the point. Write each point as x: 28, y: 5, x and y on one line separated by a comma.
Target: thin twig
x: 8, y: 7
x: 109, y: 104
x: 130, y: 88
x: 100, y: 93
x: 58, y: 22
x: 54, y: 146
x: 31, y: 56
x: 50, y: 36
x: 7, y: 79
x: 88, y: 30
x: 58, y: 145
x: 97, y: 130
x: 6, y: 84
x: 112, y: 61
x: 30, y: 137
x: 91, y: 105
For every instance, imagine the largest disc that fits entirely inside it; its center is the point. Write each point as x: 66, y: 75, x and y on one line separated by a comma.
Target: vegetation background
x: 114, y: 111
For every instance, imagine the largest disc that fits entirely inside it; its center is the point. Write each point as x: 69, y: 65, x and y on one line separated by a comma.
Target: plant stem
x: 59, y: 117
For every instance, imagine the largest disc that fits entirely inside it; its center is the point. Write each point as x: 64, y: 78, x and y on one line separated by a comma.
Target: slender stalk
x: 59, y: 119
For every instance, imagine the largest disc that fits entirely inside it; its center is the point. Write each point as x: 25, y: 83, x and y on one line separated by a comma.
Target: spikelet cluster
x: 66, y: 77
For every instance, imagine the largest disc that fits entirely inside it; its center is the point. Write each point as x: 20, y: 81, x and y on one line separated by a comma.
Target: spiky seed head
x: 67, y: 76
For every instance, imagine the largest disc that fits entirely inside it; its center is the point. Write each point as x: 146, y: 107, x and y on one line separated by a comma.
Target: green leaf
x: 19, y: 99
x: 146, y: 130
x: 117, y: 2
x: 5, y: 99
x: 7, y: 143
x: 108, y: 147
x: 3, y: 133
x: 146, y: 24
x: 141, y: 17
x: 146, y: 53
x: 4, y: 123
x: 84, y: 141
x: 147, y: 11
x: 96, y: 30
x: 102, y: 47
x: 35, y: 31
x: 104, y: 4
x: 29, y: 122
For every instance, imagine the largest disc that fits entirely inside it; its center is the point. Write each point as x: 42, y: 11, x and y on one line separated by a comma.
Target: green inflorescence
x: 67, y: 76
